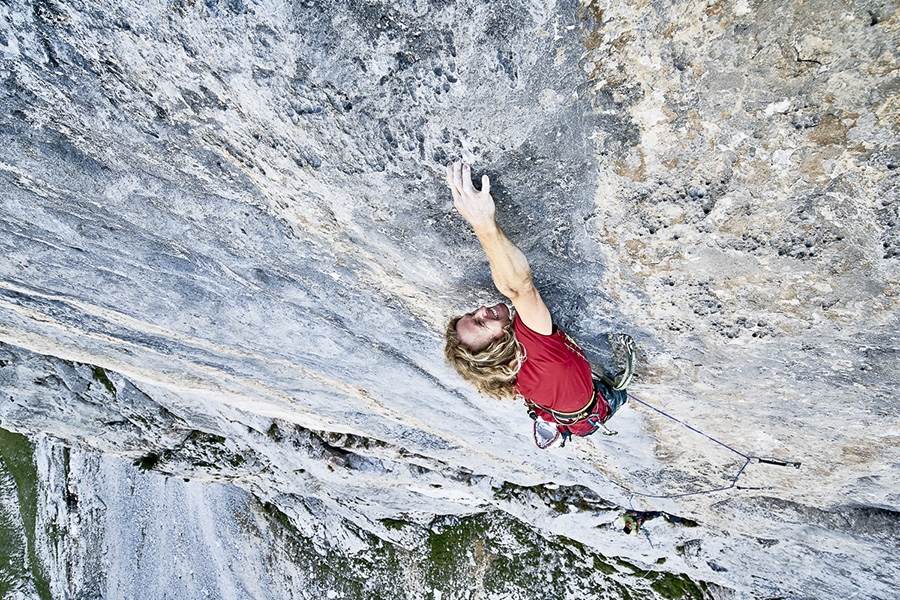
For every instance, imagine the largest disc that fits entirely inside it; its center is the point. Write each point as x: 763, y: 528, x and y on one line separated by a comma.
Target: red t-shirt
x: 555, y: 374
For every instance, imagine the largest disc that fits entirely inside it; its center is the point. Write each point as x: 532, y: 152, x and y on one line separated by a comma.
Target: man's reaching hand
x: 509, y: 267
x: 476, y: 207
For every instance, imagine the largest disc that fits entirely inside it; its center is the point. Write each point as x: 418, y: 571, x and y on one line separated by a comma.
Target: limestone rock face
x: 227, y: 255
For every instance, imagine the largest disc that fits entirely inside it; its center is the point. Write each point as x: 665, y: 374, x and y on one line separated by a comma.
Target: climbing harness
x: 607, y: 397
x: 603, y: 404
x: 568, y: 418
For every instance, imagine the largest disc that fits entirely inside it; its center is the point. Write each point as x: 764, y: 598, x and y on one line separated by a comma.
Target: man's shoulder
x: 522, y: 330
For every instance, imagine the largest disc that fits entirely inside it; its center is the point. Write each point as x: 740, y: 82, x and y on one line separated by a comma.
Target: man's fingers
x: 457, y: 174
x: 467, y: 179
x: 452, y: 174
x: 459, y: 180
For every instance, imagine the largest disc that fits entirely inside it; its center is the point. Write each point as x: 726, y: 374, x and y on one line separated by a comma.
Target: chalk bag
x: 546, y: 435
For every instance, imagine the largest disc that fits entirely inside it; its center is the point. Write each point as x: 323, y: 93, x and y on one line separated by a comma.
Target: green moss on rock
x: 17, y: 455
x: 100, y: 376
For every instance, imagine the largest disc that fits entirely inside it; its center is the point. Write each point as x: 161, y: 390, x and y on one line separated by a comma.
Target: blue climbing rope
x: 694, y: 429
x: 747, y: 460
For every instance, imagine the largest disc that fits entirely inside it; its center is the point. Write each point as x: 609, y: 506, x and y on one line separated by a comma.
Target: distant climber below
x: 525, y: 356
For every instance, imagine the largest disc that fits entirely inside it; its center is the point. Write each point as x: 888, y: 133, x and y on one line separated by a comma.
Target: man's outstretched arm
x: 509, y: 266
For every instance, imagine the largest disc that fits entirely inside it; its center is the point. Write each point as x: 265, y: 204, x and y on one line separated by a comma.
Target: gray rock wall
x: 227, y: 255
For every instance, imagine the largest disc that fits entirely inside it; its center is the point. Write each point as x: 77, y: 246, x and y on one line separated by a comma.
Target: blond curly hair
x: 494, y: 369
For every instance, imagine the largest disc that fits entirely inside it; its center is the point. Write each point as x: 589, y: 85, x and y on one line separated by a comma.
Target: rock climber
x: 525, y: 355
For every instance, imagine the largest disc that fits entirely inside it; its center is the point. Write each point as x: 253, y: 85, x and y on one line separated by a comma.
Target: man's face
x: 477, y: 329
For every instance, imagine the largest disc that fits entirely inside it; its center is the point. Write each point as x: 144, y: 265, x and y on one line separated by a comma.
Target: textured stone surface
x: 226, y: 253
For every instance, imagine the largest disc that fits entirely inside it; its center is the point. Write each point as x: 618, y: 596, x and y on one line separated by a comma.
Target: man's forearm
x: 509, y: 265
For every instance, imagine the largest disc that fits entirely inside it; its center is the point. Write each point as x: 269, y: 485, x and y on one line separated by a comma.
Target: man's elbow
x: 517, y: 289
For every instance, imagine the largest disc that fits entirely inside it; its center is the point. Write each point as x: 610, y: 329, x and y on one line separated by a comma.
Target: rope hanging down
x: 747, y: 459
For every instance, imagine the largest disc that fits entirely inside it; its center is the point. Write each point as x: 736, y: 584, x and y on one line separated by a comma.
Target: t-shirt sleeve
x: 537, y: 346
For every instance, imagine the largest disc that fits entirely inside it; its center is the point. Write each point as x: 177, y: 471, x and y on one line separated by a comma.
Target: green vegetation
x: 676, y: 587
x: 274, y: 433
x: 491, y: 552
x: 100, y: 376
x: 147, y: 462
x: 17, y: 457
x: 562, y: 499
x: 199, y: 449
x: 394, y: 524
x: 13, y: 562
